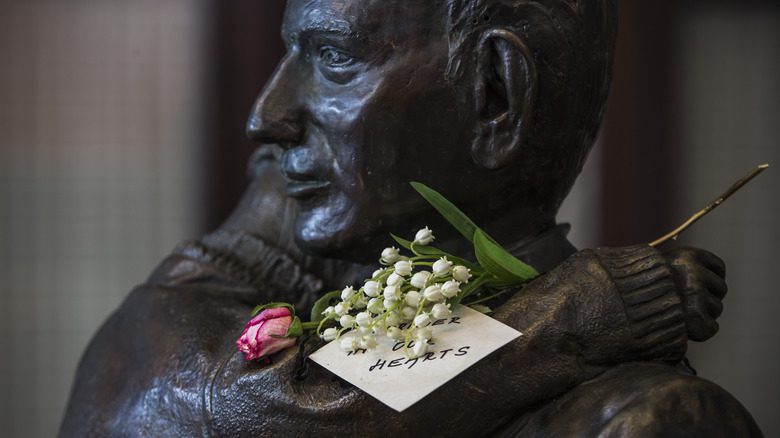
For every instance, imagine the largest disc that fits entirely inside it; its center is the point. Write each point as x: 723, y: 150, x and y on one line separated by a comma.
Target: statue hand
x: 700, y: 278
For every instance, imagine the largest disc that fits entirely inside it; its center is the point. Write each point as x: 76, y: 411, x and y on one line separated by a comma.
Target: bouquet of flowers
x: 410, y: 291
x: 413, y: 287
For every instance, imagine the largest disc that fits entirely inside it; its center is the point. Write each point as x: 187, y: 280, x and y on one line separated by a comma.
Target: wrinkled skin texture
x: 360, y: 105
x: 361, y: 108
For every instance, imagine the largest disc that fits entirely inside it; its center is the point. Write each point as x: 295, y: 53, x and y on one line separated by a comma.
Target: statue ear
x: 506, y: 88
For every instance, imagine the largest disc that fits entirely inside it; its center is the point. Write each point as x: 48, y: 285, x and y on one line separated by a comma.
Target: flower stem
x: 472, y: 287
x: 672, y: 235
x: 422, y: 257
x: 311, y: 324
x: 488, y: 298
x: 318, y: 329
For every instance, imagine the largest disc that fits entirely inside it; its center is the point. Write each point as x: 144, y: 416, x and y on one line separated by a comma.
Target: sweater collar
x: 545, y: 250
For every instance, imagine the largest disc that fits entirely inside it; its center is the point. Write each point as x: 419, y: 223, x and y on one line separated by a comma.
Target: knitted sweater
x: 165, y: 363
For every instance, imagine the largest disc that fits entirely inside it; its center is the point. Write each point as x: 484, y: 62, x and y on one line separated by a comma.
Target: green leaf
x: 259, y: 309
x: 401, y: 241
x: 472, y: 287
x: 499, y: 261
x: 322, y: 303
x: 295, y: 329
x: 482, y: 309
x: 454, y: 216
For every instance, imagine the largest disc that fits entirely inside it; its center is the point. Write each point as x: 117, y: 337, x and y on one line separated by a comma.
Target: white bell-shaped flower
x: 442, y: 267
x: 419, y: 279
x: 329, y: 334
x: 441, y: 311
x: 403, y: 268
x: 450, y: 288
x: 390, y: 255
x: 395, y: 280
x: 348, y: 343
x: 461, y: 273
x: 412, y: 298
x: 424, y: 237
x: 329, y: 312
x: 347, y: 293
x: 433, y: 293
x: 422, y: 320
x: 363, y: 319
x: 392, y: 293
x: 347, y: 320
x: 419, y: 348
x: 371, y: 288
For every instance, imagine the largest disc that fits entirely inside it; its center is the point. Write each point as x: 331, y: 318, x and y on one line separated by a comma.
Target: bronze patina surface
x: 495, y: 104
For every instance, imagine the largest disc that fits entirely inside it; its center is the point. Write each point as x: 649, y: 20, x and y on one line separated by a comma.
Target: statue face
x: 361, y: 106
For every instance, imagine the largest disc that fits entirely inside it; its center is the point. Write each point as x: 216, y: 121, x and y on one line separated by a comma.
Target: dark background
x: 121, y: 133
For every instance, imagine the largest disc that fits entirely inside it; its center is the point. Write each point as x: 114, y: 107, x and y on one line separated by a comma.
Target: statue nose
x: 269, y: 131
x: 276, y: 116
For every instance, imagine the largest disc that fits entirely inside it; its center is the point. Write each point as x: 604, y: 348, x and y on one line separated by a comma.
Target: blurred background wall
x: 121, y: 133
x: 101, y: 173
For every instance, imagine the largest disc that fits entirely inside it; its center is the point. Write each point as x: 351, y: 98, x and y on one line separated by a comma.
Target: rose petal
x: 260, y: 336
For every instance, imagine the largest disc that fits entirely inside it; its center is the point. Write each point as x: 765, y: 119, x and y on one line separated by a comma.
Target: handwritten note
x: 387, y: 374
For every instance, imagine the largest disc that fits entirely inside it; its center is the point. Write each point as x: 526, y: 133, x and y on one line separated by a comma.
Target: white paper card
x: 399, y: 382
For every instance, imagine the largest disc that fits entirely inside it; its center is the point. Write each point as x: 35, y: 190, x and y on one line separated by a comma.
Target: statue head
x: 495, y: 103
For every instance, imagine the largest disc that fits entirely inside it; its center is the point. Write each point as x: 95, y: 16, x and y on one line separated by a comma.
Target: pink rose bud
x: 258, y: 341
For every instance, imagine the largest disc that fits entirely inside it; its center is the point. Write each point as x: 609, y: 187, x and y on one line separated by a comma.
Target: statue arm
x: 662, y: 403
x: 597, y: 309
x: 575, y: 319
x: 641, y: 399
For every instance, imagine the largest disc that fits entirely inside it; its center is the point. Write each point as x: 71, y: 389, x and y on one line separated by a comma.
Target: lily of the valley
x: 424, y: 237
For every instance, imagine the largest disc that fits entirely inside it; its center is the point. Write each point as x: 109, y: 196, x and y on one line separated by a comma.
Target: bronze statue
x: 496, y: 104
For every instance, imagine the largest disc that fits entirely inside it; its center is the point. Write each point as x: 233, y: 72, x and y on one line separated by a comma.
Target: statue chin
x: 331, y: 232
x: 341, y: 227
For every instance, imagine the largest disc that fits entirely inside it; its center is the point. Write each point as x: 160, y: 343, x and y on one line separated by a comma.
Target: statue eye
x: 332, y: 57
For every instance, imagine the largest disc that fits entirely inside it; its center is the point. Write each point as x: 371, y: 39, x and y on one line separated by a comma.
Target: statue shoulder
x: 642, y: 399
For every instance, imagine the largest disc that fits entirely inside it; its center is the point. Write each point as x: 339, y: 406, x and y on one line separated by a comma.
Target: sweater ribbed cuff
x: 653, y: 308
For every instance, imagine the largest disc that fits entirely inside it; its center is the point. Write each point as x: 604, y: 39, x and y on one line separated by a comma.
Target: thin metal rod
x: 711, y: 206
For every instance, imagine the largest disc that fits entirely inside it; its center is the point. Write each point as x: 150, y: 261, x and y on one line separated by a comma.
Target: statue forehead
x: 390, y: 17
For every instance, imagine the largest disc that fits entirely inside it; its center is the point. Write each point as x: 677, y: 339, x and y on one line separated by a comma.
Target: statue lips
x: 303, y: 182
x: 305, y: 189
